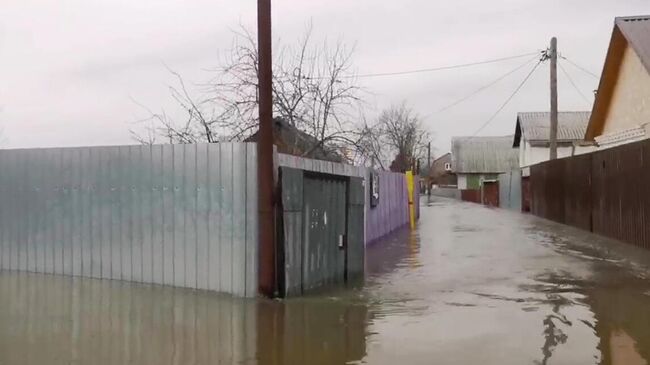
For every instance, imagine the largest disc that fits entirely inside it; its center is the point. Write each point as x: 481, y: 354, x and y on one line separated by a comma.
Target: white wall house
x: 532, y: 134
x: 621, y: 112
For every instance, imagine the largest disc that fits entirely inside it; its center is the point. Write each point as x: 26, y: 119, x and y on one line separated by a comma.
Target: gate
x: 490, y: 193
x: 321, y: 230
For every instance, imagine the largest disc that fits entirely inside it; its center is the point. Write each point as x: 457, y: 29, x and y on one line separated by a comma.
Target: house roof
x: 441, y: 157
x: 631, y: 31
x: 483, y: 154
x: 636, y: 30
x: 536, y: 126
x: 293, y: 141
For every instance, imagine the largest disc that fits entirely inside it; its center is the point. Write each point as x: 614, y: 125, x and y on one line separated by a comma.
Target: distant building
x: 441, y: 173
x: 532, y: 136
x: 621, y: 112
x: 292, y: 141
x: 478, y: 159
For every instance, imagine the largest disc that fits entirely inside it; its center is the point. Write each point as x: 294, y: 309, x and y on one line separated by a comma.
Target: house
x: 478, y: 159
x: 292, y: 141
x: 441, y: 173
x: 532, y: 136
x: 621, y: 112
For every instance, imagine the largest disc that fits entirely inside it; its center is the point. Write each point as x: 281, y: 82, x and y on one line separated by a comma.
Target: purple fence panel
x: 416, y: 198
x: 392, y: 210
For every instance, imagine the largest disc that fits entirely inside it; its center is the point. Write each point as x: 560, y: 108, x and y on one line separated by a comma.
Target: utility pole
x: 553, y: 131
x: 266, y: 185
x: 428, y: 170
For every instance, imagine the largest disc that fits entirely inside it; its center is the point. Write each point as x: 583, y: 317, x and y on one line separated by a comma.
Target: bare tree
x: 314, y: 90
x: 397, y: 134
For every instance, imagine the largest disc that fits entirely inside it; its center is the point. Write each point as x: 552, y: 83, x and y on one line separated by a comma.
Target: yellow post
x: 411, y: 188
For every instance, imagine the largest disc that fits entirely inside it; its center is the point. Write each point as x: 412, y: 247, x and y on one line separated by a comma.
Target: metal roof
x: 636, y: 30
x: 535, y: 126
x: 483, y: 154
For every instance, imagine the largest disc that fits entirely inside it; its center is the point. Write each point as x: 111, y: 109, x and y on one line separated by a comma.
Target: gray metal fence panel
x: 183, y: 215
x: 202, y: 216
x: 239, y: 220
x: 157, y: 211
x: 251, y: 219
x: 178, y: 246
x: 510, y: 190
x: 225, y: 233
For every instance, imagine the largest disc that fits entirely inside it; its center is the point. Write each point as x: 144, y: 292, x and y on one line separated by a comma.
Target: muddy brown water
x: 470, y: 285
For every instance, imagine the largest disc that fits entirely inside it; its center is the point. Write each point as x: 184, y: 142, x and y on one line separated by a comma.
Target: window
x: 447, y: 166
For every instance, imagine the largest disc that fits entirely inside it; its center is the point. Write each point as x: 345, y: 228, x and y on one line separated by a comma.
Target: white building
x: 532, y: 135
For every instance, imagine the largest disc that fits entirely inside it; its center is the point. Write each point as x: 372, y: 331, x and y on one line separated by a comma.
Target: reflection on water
x: 471, y: 285
x: 53, y: 320
x: 623, y: 350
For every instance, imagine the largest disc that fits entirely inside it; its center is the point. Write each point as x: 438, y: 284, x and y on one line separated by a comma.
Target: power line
x: 508, y: 99
x: 488, y: 85
x: 573, y: 83
x: 581, y: 68
x: 396, y: 73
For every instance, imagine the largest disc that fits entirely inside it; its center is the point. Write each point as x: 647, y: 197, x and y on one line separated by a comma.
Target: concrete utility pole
x: 267, y: 282
x: 553, y: 131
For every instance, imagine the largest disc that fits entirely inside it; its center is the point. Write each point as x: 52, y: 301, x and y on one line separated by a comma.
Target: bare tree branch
x: 312, y: 91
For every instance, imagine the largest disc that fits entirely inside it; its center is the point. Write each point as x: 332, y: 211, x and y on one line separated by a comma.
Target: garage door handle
x: 341, y: 241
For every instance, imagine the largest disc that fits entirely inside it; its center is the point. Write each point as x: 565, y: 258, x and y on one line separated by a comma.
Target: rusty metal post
x: 267, y: 251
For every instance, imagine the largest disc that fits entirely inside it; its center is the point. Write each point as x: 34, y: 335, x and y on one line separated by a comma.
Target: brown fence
x: 525, y: 194
x: 491, y: 193
x: 603, y: 192
x: 471, y: 195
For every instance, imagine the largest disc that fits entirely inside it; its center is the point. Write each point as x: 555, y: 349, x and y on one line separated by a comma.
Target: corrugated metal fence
x: 391, y: 213
x: 181, y: 215
x: 392, y: 210
x: 452, y: 193
x: 603, y: 192
x: 510, y: 190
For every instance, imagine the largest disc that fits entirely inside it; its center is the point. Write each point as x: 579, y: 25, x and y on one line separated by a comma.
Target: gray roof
x: 483, y: 154
x: 636, y: 30
x: 535, y: 126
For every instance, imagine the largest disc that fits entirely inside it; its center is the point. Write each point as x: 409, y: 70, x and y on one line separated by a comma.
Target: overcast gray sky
x: 69, y: 69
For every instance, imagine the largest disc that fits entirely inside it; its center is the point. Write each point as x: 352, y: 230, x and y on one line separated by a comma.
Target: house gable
x: 622, y: 102
x: 629, y: 104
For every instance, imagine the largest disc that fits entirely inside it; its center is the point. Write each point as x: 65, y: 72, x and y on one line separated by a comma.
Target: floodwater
x: 471, y: 285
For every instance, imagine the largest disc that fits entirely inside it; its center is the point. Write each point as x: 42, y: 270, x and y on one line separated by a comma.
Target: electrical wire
x: 573, y: 83
x: 463, y: 65
x: 508, y: 99
x: 581, y: 68
x: 488, y: 85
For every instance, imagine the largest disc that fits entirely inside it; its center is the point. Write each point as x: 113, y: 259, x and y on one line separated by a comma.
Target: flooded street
x: 471, y: 285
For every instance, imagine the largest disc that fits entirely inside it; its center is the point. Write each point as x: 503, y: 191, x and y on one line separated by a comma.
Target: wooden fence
x: 603, y: 192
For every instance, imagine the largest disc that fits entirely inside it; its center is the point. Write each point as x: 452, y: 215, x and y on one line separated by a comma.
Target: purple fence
x: 392, y: 210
